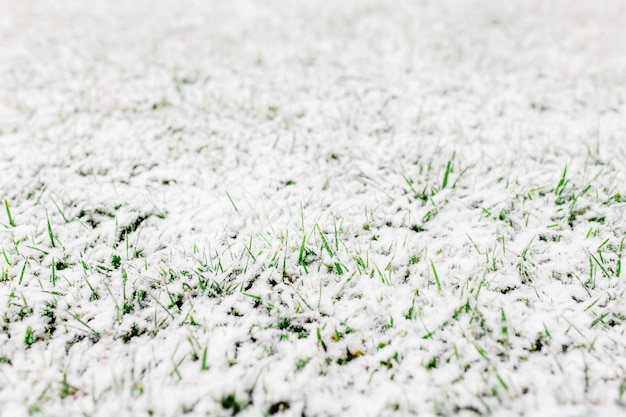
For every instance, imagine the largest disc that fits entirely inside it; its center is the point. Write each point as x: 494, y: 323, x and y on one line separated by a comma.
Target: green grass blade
x: 8, y: 209
x: 59, y: 210
x: 50, y: 234
x: 602, y: 268
x: 325, y: 242
x: 445, y: 176
x: 432, y: 265
x: 205, y: 366
x: 232, y: 202
x: 23, y: 270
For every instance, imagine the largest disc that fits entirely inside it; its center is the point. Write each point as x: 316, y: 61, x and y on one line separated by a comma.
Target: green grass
x: 8, y: 211
x: 434, y: 259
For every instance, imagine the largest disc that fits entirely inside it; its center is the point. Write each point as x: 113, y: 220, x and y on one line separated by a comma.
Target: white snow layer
x: 350, y: 208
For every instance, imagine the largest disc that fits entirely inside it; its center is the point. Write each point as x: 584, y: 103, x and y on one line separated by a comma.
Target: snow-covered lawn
x: 300, y: 208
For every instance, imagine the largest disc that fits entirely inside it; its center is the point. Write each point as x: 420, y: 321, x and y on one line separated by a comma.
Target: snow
x: 317, y: 209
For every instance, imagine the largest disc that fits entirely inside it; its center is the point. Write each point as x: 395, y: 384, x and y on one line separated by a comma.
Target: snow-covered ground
x: 336, y: 208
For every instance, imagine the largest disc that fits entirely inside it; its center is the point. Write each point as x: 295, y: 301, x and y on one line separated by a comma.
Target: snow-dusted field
x: 337, y: 208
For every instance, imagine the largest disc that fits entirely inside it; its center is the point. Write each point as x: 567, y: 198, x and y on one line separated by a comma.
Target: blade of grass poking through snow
x: 254, y: 297
x: 320, y: 340
x: 301, y: 255
x: 410, y: 315
x: 59, y: 210
x: 382, y: 276
x: 474, y: 244
x: 156, y: 300
x: 94, y: 294
x: 444, y: 183
x: 325, y: 242
x: 463, y: 171
x: 50, y: 234
x: 248, y: 249
x: 232, y: 202
x: 418, y: 195
x: 432, y: 265
x: 22, y: 273
x: 501, y: 381
x: 505, y: 329
x: 94, y: 333
x: 562, y: 183
x: 53, y: 274
x: 306, y: 303
x: 126, y: 306
x: 602, y: 268
x: 8, y: 209
x: 204, y: 366
x: 285, y: 274
x: 481, y: 351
